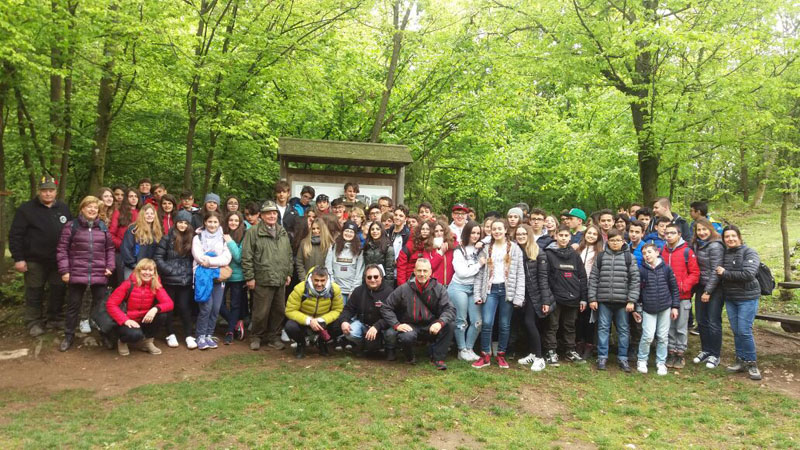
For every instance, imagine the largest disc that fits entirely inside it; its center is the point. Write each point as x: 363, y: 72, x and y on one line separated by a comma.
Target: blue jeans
x: 496, y: 304
x: 606, y: 313
x: 741, y: 315
x: 238, y: 304
x: 207, y: 316
x: 709, y: 319
x: 658, y: 325
x: 357, y: 332
x: 344, y: 298
x: 464, y: 300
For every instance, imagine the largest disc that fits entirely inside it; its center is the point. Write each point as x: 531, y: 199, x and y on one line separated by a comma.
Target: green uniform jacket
x: 303, y: 303
x: 265, y: 258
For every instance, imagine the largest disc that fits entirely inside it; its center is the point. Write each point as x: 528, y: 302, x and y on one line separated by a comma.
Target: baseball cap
x: 577, y: 212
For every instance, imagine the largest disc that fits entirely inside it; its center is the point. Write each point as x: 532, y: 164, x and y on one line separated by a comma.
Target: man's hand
x: 720, y: 270
x: 434, y: 329
x: 593, y: 306
x: 288, y: 280
x: 629, y: 307
x: 109, y: 273
x: 674, y: 314
x: 545, y: 309
x: 21, y: 266
x: 150, y: 315
x: 705, y: 298
x: 65, y: 278
x: 346, y: 328
x: 314, y: 324
x: 251, y: 284
x: 637, y: 317
x: 131, y: 324
x: 404, y: 328
x: 372, y: 333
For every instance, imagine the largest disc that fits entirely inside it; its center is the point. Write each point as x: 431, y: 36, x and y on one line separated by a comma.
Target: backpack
x: 765, y: 279
x: 100, y: 317
x: 628, y: 259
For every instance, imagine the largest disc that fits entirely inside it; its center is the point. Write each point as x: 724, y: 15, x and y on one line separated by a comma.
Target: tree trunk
x: 192, y: 107
x: 787, y: 263
x: 56, y: 96
x: 67, y: 142
x: 27, y: 161
x: 102, y: 131
x: 5, y: 80
x: 744, y: 175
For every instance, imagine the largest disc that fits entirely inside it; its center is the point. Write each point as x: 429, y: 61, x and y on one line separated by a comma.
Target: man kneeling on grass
x: 361, y: 319
x: 421, y: 309
x: 313, y: 306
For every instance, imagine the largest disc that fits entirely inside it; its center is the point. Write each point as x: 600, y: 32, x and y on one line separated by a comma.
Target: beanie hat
x: 183, y: 215
x: 517, y: 211
x: 212, y: 197
x: 350, y: 225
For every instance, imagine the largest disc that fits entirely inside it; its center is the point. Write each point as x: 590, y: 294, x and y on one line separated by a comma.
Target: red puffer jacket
x: 408, y: 259
x: 687, y: 272
x: 86, y: 253
x: 117, y: 230
x: 141, y: 300
x: 444, y: 271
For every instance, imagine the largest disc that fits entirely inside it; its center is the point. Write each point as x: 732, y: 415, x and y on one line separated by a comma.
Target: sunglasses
x: 373, y: 277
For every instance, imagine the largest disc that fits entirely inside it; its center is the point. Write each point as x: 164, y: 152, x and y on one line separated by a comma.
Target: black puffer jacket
x: 613, y: 280
x: 659, y: 288
x: 174, y: 269
x: 35, y: 231
x: 562, y: 277
x: 533, y: 294
x: 739, y: 279
x: 365, y: 305
x: 374, y: 255
x: 709, y: 257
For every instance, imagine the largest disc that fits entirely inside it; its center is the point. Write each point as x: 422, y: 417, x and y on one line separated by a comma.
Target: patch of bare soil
x: 451, y: 440
x: 541, y: 404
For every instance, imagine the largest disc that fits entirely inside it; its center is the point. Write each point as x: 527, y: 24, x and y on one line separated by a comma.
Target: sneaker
x: 239, y: 330
x: 752, y: 370
x: 284, y: 336
x: 277, y: 345
x: 191, y: 342
x: 573, y: 356
x: 211, y: 342
x: 712, y: 362
x: 528, y: 360
x: 538, y: 365
x: 737, y: 366
x: 84, y: 327
x: 463, y: 355
x: 440, y: 365
x: 228, y: 339
x: 641, y: 366
x: 678, y: 362
x: 552, y: 358
x: 501, y: 360
x: 701, y: 357
x: 172, y: 341
x: 695, y: 331
x: 202, y: 344
x: 624, y: 366
x: 670, y: 360
x: 662, y: 370
x: 601, y: 363
x: 473, y: 356
x: 36, y: 330
x: 483, y: 361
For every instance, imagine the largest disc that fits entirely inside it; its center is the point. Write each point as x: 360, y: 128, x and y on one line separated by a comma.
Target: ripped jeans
x: 463, y: 299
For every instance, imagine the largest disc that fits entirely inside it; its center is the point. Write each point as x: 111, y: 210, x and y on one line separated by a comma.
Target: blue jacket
x: 653, y: 237
x: 659, y: 288
x: 637, y: 252
x: 236, y: 260
x: 204, y: 281
x: 133, y: 252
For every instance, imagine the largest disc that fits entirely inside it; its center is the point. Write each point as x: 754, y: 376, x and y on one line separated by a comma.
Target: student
x: 159, y: 190
x: 119, y: 194
x: 210, y: 252
x: 699, y: 210
x: 636, y: 243
x: 387, y: 220
x: 106, y: 196
x: 633, y: 209
x: 466, y: 265
x: 140, y: 239
x: 313, y: 249
x: 444, y: 243
x: 210, y: 203
x: 167, y: 209
x: 386, y: 204
x: 357, y: 217
x: 613, y: 293
x: 563, y: 284
x: 645, y: 216
x: 345, y: 260
x: 339, y: 210
x: 323, y: 204
x: 541, y: 235
x: 740, y: 292
x: 499, y: 286
x: 145, y: 196
x: 420, y: 246
x: 605, y: 221
x: 662, y: 207
x: 590, y: 247
x: 85, y: 258
x: 232, y: 204
x: 234, y: 230
x: 658, y: 236
x: 374, y: 213
x: 658, y: 304
x: 708, y: 247
x: 551, y: 225
x: 575, y: 219
x: 424, y: 212
x: 123, y: 218
x: 459, y: 215
x: 533, y: 298
x: 146, y: 305
x: 350, y: 197
x: 683, y: 262
x: 303, y: 203
x: 173, y: 256
x: 514, y: 218
x: 412, y: 222
x: 286, y: 215
x: 621, y: 222
x: 378, y: 251
x: 251, y: 214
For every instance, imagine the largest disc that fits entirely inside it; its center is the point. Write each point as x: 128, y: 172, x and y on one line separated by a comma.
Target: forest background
x: 556, y: 103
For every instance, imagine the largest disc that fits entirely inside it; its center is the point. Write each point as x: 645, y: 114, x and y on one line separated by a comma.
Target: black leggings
x: 182, y: 297
x: 534, y: 339
x: 75, y: 301
x: 145, y: 330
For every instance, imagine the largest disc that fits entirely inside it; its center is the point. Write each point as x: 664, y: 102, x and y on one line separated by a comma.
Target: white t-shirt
x: 499, y: 264
x: 457, y: 232
x: 282, y: 211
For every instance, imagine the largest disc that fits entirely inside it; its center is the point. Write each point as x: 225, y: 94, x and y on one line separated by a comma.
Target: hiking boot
x: 501, y: 360
x: 239, y: 330
x: 737, y: 366
x: 573, y: 356
x: 228, y: 339
x: 752, y: 370
x: 538, y: 365
x: 84, y: 326
x: 670, y: 360
x: 701, y: 357
x: 712, y: 362
x: 661, y: 369
x: 172, y: 341
x: 624, y: 366
x: 678, y: 362
x: 35, y: 330
x: 122, y: 348
x: 66, y: 343
x: 300, y: 352
x: 149, y: 347
x: 191, y: 342
x: 276, y: 344
x: 551, y: 358
x: 255, y: 344
x: 641, y: 366
x: 601, y: 363
x: 527, y: 360
x: 391, y: 354
x: 484, y: 361
x: 440, y: 365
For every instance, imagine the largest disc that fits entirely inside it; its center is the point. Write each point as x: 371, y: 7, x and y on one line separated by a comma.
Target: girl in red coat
x: 419, y: 246
x: 147, y: 302
x: 444, y: 243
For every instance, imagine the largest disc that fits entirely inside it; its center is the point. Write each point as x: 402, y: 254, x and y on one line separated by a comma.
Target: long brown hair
x: 355, y: 244
x: 506, y: 257
x: 126, y: 210
x: 598, y: 246
x: 421, y: 243
x: 325, y: 239
x: 706, y: 223
x: 238, y: 234
x: 183, y: 240
x: 531, y: 248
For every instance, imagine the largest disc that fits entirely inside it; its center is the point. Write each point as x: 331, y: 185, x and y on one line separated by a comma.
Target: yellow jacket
x: 305, y: 303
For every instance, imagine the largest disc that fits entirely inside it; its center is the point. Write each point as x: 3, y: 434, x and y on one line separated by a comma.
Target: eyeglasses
x: 373, y: 277
x: 671, y: 233
x: 615, y: 240
x: 537, y: 219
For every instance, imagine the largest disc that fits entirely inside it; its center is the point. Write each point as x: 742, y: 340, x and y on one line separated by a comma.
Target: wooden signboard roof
x: 342, y: 152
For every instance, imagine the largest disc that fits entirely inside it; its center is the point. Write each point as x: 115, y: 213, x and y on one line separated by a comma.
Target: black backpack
x: 765, y: 279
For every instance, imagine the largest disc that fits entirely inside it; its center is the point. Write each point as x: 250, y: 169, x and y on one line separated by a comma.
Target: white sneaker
x: 285, y: 337
x: 538, y: 364
x: 464, y: 355
x: 85, y: 327
x: 472, y: 355
x: 172, y: 341
x: 528, y: 360
x: 191, y: 342
x: 641, y: 366
x: 662, y: 369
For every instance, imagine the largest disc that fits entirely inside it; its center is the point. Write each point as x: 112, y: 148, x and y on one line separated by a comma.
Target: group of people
x: 376, y: 278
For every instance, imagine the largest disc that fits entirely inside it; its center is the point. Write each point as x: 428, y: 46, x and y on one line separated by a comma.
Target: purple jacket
x: 85, y: 253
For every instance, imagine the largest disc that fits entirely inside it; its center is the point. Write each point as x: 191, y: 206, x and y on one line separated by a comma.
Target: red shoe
x: 485, y: 361
x: 501, y: 360
x: 440, y: 365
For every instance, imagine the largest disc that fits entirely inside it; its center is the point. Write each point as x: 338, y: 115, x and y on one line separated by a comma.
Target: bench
x: 789, y: 284
x: 790, y: 324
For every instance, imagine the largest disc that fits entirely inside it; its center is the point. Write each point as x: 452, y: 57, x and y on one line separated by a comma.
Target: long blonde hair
x: 155, y: 285
x: 531, y: 247
x: 144, y: 233
x: 325, y: 239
